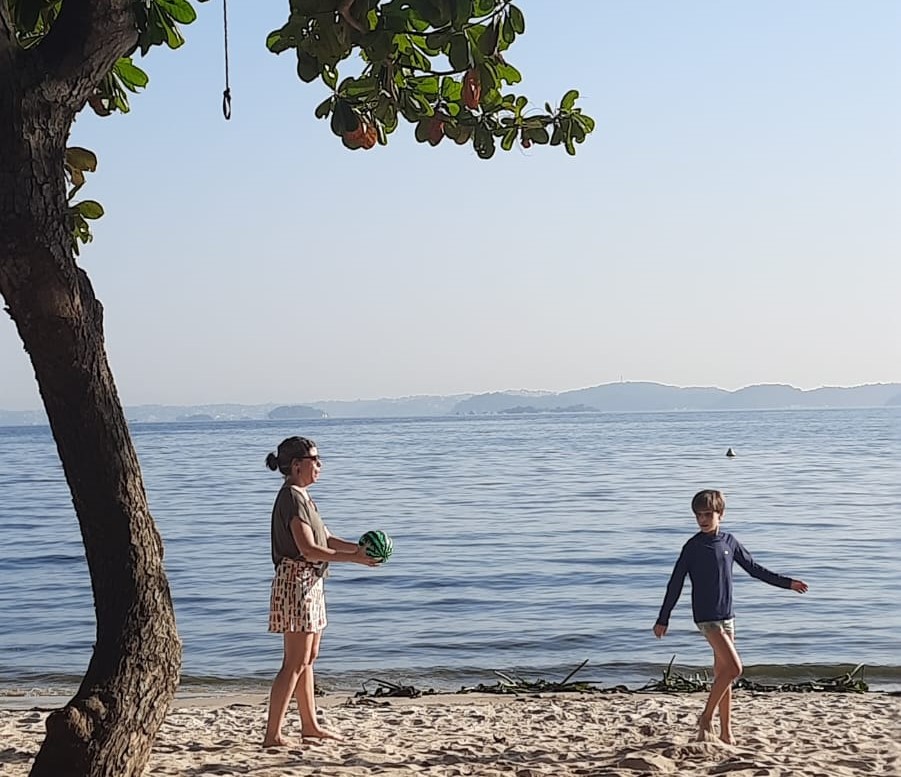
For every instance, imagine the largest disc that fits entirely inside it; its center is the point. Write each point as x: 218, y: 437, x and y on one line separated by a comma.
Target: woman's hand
x: 360, y: 556
x: 800, y: 586
x: 659, y: 630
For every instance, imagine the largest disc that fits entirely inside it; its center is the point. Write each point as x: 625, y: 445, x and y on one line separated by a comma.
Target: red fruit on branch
x: 435, y: 129
x: 370, y: 135
x: 354, y: 138
x: 364, y: 136
x: 472, y: 89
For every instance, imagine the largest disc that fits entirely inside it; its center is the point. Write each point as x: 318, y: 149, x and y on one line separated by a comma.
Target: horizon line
x: 488, y: 393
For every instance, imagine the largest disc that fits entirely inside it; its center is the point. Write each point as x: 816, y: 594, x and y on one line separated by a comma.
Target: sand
x: 617, y: 735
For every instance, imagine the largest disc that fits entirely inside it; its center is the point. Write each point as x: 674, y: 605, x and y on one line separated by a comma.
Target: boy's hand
x: 659, y: 630
x: 800, y: 586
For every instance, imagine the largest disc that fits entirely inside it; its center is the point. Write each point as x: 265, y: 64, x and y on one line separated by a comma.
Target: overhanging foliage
x: 438, y: 64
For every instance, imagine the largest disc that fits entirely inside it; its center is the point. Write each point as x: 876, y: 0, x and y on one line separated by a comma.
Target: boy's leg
x: 297, y: 650
x: 727, y: 667
x: 725, y: 707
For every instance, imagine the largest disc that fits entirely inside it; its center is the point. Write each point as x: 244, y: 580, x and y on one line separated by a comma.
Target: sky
x: 735, y: 218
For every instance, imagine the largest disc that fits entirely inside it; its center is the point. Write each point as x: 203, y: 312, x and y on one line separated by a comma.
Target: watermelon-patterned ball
x: 377, y: 545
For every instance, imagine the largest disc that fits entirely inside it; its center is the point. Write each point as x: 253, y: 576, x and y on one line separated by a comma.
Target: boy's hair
x: 708, y: 500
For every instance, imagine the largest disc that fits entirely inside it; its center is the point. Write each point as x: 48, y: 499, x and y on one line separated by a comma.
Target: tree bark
x: 108, y: 728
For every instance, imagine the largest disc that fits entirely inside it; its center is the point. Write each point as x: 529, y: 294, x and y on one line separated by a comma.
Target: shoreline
x: 528, y: 735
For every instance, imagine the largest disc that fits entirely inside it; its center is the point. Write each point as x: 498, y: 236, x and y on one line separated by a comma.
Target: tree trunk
x: 107, y: 729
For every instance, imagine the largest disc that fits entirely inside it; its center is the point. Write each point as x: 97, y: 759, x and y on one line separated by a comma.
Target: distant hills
x: 642, y: 396
x: 609, y: 397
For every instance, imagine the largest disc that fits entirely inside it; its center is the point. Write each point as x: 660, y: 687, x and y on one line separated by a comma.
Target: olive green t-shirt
x: 293, y: 502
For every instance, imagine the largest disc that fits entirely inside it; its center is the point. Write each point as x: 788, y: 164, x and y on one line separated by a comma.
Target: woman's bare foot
x: 321, y: 733
x: 278, y: 741
x: 726, y: 736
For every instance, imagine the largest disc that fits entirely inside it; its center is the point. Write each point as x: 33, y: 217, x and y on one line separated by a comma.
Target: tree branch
x: 7, y: 28
x: 83, y: 44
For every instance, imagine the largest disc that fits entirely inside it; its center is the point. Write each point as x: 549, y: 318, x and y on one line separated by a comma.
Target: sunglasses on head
x: 315, y: 458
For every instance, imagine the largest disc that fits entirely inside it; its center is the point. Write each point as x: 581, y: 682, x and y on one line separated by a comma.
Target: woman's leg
x: 298, y: 647
x: 306, y: 697
x: 726, y: 668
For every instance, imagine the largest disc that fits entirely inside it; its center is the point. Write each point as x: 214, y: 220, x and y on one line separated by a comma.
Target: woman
x: 302, y: 549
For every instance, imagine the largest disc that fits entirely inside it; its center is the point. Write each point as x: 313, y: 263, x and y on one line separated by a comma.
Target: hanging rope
x: 227, y: 94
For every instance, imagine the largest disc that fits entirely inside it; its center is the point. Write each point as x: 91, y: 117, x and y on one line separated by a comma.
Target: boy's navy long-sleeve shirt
x: 707, y: 559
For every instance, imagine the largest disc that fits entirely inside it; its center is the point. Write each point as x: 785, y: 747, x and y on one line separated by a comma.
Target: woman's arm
x: 306, y: 544
x: 336, y: 543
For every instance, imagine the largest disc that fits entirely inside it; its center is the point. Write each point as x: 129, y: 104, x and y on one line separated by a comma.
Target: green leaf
x: 488, y: 40
x: 180, y: 10
x: 329, y: 77
x: 569, y: 100
x: 130, y: 74
x: 461, y: 11
x: 344, y: 119
x: 324, y: 108
x: 313, y: 7
x: 483, y: 142
x: 307, y: 66
x: 285, y: 38
x: 89, y: 209
x: 586, y: 122
x: 438, y: 40
x: 508, y: 73
x: 165, y: 23
x: 80, y: 158
x: 517, y: 20
x: 487, y: 76
x: 451, y: 90
x: 358, y: 87
x: 459, y: 53
x: 427, y: 86
x: 539, y: 135
x: 508, y: 34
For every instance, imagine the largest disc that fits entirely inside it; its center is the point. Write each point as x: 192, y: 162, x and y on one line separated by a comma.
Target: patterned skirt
x: 297, y: 601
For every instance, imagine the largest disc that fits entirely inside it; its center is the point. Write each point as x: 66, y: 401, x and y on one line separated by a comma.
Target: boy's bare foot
x: 726, y: 736
x: 705, y: 730
x: 321, y: 733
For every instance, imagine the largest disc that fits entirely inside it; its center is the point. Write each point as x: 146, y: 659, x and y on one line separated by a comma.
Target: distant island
x: 287, y: 412
x: 521, y: 409
x: 627, y: 396
x: 194, y: 417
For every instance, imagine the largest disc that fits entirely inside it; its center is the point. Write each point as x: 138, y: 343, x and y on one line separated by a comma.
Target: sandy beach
x: 620, y: 735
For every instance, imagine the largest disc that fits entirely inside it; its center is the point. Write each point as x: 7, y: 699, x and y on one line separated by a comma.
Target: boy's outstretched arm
x: 760, y: 572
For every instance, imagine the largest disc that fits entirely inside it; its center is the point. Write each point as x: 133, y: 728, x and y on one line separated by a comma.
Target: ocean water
x: 522, y: 543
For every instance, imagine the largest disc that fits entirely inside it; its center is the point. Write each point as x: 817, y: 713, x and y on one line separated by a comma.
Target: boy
x: 707, y: 559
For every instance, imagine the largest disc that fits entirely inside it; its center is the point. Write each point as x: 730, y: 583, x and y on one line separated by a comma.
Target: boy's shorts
x: 727, y: 626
